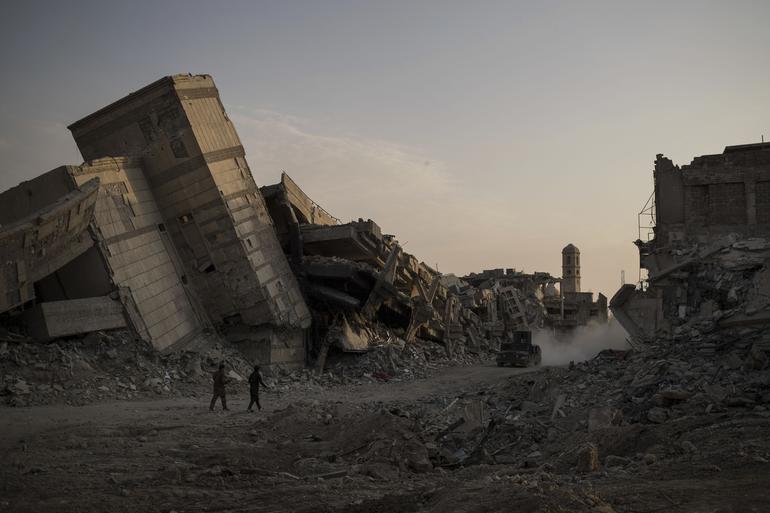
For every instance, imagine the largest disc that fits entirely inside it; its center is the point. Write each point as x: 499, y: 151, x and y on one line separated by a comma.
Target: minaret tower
x: 570, y: 267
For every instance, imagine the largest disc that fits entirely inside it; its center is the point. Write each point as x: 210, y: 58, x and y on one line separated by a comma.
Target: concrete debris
x: 165, y: 218
x: 606, y: 405
x: 587, y: 458
x: 358, y: 281
x: 111, y: 365
x: 707, y: 259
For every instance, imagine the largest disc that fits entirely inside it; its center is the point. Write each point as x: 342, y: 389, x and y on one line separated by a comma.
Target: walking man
x: 219, y: 388
x: 255, y: 379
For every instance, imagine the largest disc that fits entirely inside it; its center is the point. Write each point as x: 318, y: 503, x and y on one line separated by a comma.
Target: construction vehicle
x: 519, y: 351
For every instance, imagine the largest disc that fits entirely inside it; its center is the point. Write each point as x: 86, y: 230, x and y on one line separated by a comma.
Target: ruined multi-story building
x: 195, y: 164
x: 180, y: 227
x: 126, y: 251
x: 703, y: 212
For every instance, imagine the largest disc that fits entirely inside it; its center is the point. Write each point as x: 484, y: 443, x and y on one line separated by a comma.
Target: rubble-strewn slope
x: 105, y: 366
x: 668, y: 428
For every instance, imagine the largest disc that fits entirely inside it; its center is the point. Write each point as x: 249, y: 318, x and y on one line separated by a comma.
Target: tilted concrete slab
x: 75, y: 316
x: 213, y: 211
x: 359, y: 241
x: 51, y: 231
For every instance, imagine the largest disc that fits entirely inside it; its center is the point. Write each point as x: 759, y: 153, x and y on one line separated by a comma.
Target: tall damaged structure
x: 164, y: 230
x: 179, y: 228
x: 195, y: 164
x: 706, y: 262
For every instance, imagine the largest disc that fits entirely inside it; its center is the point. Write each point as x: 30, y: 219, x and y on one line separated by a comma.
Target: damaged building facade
x: 706, y: 263
x: 176, y: 231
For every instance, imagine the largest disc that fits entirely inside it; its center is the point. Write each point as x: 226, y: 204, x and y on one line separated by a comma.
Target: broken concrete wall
x: 284, y: 348
x: 130, y: 260
x: 714, y: 195
x: 32, y: 196
x: 360, y: 241
x: 711, y: 240
x: 669, y: 192
x: 139, y: 253
x: 306, y: 210
x: 640, y: 314
x: 45, y: 227
x: 290, y: 207
x: 54, y: 319
x: 196, y: 167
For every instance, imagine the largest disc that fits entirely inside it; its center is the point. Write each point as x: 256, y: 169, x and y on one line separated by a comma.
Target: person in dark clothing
x: 219, y: 388
x: 255, y: 379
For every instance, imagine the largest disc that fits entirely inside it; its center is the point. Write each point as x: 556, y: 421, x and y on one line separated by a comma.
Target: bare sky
x: 482, y: 134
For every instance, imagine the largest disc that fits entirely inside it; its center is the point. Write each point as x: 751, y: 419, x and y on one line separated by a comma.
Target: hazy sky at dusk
x: 482, y: 134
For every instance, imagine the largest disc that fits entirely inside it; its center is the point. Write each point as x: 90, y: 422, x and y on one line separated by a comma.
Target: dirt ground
x: 362, y: 448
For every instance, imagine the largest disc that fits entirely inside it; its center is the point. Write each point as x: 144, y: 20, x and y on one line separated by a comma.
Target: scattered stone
x: 601, y: 418
x: 657, y: 415
x: 612, y: 461
x: 587, y: 458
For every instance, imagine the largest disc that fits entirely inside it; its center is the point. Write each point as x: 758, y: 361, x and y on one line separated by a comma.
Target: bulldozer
x: 519, y: 351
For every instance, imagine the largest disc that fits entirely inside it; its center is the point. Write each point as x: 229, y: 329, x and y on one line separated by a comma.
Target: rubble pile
x: 623, y: 416
x: 729, y: 285
x: 705, y: 248
x: 392, y: 359
x: 360, y: 287
x: 696, y: 289
x: 593, y: 414
x: 108, y: 366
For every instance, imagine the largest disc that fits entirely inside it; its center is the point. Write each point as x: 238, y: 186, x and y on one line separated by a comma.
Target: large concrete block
x: 62, y: 318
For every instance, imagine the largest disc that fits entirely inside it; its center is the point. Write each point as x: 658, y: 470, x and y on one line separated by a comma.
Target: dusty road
x: 357, y: 449
x: 174, y: 455
x: 24, y: 423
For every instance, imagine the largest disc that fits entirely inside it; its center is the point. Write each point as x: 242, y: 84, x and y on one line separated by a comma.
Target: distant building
x: 573, y: 308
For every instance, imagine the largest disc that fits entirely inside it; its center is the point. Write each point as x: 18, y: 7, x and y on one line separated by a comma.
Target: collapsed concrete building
x: 180, y: 234
x: 163, y: 230
x: 356, y: 278
x: 706, y: 261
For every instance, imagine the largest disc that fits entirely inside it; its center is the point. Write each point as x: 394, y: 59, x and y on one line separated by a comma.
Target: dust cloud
x: 585, y: 343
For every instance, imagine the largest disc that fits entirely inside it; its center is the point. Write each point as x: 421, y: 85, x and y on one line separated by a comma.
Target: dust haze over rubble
x: 582, y: 344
